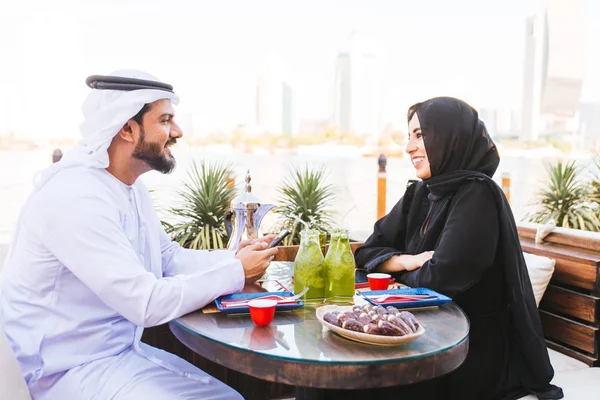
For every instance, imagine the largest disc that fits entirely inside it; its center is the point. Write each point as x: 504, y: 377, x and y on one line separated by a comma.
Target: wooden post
x: 381, y: 186
x: 506, y: 185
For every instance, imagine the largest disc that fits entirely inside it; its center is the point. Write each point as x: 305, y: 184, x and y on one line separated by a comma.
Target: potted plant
x: 304, y: 194
x: 566, y: 200
x: 595, y: 183
x: 199, y: 216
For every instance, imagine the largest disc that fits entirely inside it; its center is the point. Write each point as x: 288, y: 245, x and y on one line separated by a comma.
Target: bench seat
x: 570, y: 307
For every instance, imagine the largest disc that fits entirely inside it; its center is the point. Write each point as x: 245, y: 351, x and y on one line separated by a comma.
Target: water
x: 353, y: 177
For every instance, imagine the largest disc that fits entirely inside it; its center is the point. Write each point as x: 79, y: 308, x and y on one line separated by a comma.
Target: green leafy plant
x: 303, y: 193
x: 204, y: 200
x: 594, y: 195
x: 566, y: 200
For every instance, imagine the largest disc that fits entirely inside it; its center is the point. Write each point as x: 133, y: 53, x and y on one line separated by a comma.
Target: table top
x: 296, y: 349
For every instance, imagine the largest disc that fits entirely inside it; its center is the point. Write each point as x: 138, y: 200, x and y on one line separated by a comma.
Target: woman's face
x: 416, y: 149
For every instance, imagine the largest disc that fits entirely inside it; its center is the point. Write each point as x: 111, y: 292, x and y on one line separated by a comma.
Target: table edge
x: 262, y: 366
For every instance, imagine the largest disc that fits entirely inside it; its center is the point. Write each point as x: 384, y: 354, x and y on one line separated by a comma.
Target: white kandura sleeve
x: 177, y: 260
x: 87, y: 238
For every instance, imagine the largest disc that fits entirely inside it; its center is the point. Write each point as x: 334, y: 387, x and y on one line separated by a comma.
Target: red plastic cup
x: 262, y: 338
x: 379, y: 281
x: 262, y: 311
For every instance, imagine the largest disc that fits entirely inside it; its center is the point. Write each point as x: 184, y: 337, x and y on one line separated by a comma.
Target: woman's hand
x: 417, y: 260
x: 405, y: 262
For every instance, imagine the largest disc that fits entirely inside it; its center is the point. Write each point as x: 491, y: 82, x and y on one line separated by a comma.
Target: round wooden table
x: 297, y: 350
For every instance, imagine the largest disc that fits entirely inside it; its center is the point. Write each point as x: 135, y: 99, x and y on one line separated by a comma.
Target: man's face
x: 157, y: 133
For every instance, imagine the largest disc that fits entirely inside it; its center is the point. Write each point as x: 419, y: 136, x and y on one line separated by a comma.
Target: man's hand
x: 267, y: 239
x: 255, y: 259
x: 405, y: 262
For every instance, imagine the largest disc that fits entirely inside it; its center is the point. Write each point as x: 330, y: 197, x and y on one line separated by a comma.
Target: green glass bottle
x: 309, y: 267
x: 339, y: 268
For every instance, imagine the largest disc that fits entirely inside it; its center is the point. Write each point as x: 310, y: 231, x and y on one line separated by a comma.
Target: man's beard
x: 154, y: 155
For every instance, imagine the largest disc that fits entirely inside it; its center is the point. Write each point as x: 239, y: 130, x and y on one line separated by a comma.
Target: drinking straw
x: 345, y: 215
x: 299, y: 220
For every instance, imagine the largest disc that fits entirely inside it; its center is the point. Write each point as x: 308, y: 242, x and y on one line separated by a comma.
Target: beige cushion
x: 540, y: 272
x: 11, y: 378
x: 562, y: 362
x: 582, y: 384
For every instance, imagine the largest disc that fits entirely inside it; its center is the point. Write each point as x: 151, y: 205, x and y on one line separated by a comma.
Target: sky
x: 212, y: 52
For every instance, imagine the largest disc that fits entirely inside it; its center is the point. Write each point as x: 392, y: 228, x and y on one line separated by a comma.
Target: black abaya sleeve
x: 387, y: 239
x: 467, y: 244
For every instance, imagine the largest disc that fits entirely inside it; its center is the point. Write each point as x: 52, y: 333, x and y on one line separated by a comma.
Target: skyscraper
x: 553, y: 73
x: 287, y: 105
x: 589, y: 126
x: 274, y: 102
x: 488, y: 116
x: 357, y: 88
x: 341, y: 113
x: 532, y: 78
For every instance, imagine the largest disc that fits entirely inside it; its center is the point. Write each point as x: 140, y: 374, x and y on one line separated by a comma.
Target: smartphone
x: 360, y: 276
x: 279, y: 238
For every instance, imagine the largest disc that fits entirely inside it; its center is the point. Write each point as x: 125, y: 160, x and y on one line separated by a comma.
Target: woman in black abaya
x: 454, y: 232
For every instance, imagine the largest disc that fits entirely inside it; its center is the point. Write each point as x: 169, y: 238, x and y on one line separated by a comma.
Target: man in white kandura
x: 90, y: 265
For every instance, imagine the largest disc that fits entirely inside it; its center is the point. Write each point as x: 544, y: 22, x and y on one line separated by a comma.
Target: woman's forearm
x: 405, y: 262
x: 394, y: 264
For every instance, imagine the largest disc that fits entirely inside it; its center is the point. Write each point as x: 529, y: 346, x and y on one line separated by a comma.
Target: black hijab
x: 455, y: 138
x: 459, y: 149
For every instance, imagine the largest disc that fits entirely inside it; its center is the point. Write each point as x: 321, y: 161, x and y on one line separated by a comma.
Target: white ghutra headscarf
x: 105, y: 113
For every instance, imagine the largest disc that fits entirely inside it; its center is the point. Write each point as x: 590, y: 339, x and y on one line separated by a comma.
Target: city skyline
x: 357, y: 95
x: 212, y: 54
x: 274, y: 101
x: 553, y: 70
